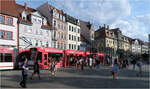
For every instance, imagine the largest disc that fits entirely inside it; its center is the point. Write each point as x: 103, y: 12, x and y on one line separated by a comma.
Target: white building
x: 56, y: 18
x: 136, y: 46
x: 33, y: 28
x: 8, y: 24
x: 73, y: 33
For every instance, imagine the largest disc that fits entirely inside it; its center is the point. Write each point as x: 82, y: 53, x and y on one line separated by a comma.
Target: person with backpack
x: 36, y: 70
x: 25, y: 73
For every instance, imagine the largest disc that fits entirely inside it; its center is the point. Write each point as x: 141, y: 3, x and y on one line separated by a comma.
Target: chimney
x: 108, y: 27
x: 104, y: 25
x: 99, y: 27
x: 25, y: 5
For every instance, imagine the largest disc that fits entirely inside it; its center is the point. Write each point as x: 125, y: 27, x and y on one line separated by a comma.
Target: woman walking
x: 115, y: 69
x: 24, y: 73
x: 53, y: 67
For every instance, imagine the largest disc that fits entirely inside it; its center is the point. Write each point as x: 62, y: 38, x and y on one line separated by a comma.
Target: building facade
x: 144, y: 48
x: 33, y: 28
x: 87, y: 32
x: 56, y: 18
x: 149, y: 46
x: 105, y: 41
x: 136, y: 47
x: 73, y: 33
x: 123, y: 44
x: 8, y: 24
x: 112, y: 42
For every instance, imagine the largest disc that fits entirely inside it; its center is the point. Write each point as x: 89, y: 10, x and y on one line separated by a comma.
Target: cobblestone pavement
x: 74, y: 78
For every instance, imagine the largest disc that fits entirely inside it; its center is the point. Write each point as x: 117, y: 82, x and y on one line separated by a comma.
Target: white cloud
x: 110, y: 12
x: 133, y: 28
x: 97, y: 11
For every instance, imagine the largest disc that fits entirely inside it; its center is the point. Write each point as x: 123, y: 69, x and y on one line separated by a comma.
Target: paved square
x: 74, y: 78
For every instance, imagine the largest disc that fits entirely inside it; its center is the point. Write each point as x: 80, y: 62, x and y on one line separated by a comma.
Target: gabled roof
x: 58, y: 11
x: 21, y: 8
x: 8, y: 7
x: 83, y: 39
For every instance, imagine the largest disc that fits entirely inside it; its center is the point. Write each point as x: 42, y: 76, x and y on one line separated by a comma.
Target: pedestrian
x: 97, y: 63
x: 115, y: 69
x: 134, y: 63
x: 36, y: 69
x: 90, y: 62
x: 139, y: 65
x: 82, y: 63
x: 53, y: 66
x: 25, y: 73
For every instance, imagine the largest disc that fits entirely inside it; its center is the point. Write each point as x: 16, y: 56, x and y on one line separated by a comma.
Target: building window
x: 34, y: 19
x: 78, y: 47
x: 58, y: 26
x: 69, y: 28
x: 78, y: 30
x: 72, y: 28
x: 47, y: 33
x: 41, y: 43
x: 78, y: 38
x: 72, y: 37
x: 62, y: 35
x: 1, y: 35
x: 64, y: 27
x: 46, y: 44
x: 54, y: 23
x: 72, y: 46
x: 69, y: 46
x: 29, y: 30
x: 36, y: 44
x: 9, y: 21
x: 61, y: 45
x: 64, y: 46
x: 54, y: 44
x: 39, y: 21
x: 58, y: 45
x: 2, y: 19
x: 9, y: 35
x: 69, y: 37
x: 75, y: 47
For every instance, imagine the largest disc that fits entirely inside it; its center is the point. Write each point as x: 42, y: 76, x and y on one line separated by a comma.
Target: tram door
x: 45, y: 60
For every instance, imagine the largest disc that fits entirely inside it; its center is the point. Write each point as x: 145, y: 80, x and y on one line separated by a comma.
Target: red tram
x: 6, y: 58
x: 72, y: 54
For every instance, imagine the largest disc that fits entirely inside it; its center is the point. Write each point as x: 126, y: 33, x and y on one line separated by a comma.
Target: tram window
x: 1, y: 57
x: 8, y: 57
x: 45, y: 59
x: 54, y: 54
x: 39, y: 56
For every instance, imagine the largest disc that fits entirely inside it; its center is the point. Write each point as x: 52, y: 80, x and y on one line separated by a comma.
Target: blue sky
x: 131, y: 16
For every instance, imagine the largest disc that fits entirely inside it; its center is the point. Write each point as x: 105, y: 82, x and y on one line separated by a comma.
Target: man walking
x: 36, y: 70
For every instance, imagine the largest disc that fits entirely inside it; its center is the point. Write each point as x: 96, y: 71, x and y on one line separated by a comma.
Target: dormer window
x: 23, y: 15
x: 24, y: 18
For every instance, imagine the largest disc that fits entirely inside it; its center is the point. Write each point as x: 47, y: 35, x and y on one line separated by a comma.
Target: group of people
x: 81, y: 62
x: 36, y: 67
x: 117, y: 64
x: 120, y: 64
